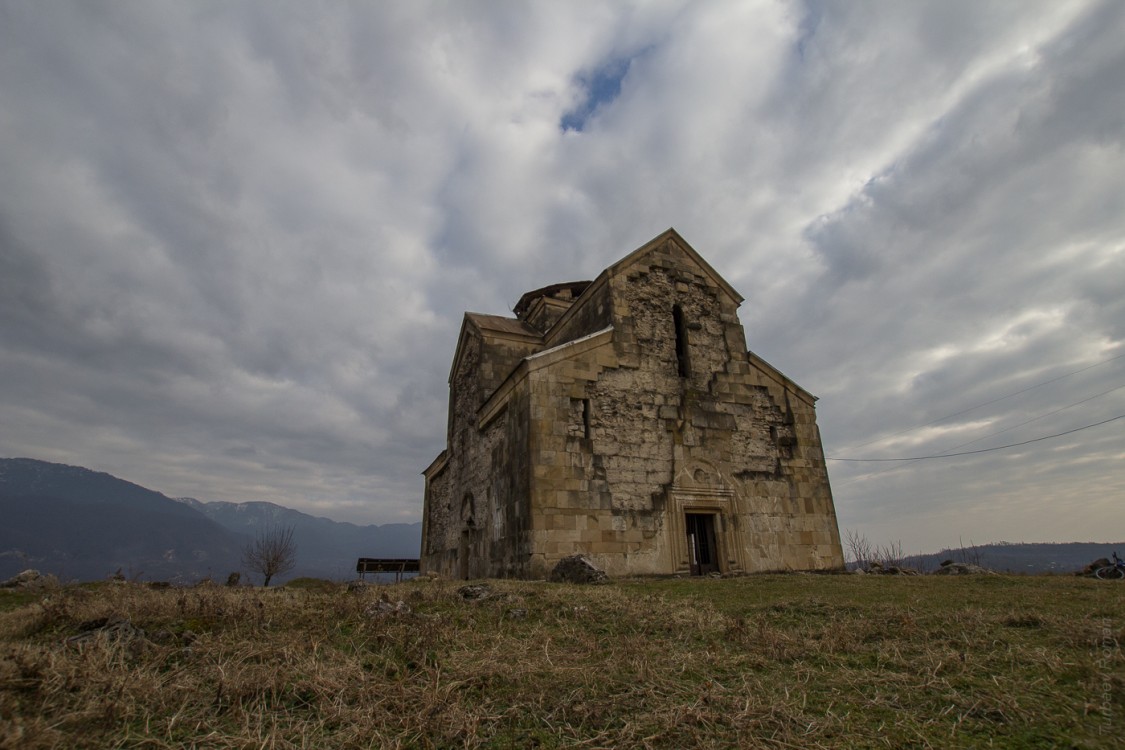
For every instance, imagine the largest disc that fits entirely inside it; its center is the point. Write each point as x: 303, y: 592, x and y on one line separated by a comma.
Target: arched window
x: 468, y: 510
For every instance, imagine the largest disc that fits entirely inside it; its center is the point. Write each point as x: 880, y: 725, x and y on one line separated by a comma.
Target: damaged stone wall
x: 500, y: 358
x: 438, y: 528
x: 605, y: 484
x: 792, y: 516
x: 640, y: 413
x: 447, y: 541
x: 477, y: 518
x: 594, y: 314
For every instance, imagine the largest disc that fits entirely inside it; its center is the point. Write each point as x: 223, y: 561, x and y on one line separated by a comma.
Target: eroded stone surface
x: 630, y: 425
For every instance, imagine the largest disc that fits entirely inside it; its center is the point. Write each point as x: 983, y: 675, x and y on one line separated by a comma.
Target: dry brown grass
x: 774, y: 661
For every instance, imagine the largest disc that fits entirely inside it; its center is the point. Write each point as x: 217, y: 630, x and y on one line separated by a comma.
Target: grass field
x: 798, y: 661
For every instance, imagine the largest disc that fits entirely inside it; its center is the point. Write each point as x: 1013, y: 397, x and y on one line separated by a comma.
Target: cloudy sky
x: 237, y: 238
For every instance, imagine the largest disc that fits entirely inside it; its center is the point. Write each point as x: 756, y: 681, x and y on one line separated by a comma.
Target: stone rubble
x: 577, y: 569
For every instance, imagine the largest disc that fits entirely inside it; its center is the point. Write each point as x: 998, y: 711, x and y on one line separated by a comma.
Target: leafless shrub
x: 890, y: 555
x: 970, y: 554
x: 865, y: 555
x: 858, y: 549
x: 272, y: 553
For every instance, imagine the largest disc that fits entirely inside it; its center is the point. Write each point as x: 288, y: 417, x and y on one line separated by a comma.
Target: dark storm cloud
x: 236, y: 239
x: 976, y: 265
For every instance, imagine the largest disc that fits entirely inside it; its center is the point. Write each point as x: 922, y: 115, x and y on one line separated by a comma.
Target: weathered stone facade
x: 624, y: 419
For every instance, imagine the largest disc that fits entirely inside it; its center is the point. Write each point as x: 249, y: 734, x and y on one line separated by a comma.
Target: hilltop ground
x: 767, y: 661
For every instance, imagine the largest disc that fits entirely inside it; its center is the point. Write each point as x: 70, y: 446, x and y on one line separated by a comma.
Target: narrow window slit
x: 683, y: 365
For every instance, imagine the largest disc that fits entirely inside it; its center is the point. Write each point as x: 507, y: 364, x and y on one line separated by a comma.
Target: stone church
x: 624, y: 419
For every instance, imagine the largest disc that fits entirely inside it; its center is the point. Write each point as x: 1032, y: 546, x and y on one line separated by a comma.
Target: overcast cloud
x: 237, y: 238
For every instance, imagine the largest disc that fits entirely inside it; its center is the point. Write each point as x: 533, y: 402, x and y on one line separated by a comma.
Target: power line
x: 990, y: 401
x: 1033, y: 419
x: 982, y: 450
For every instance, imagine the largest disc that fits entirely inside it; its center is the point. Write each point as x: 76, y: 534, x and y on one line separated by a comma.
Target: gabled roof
x: 504, y: 326
x: 497, y: 400
x: 656, y: 243
x: 769, y: 371
x: 495, y: 325
x: 622, y: 265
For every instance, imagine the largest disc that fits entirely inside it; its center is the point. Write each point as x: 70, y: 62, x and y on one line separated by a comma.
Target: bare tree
x: 858, y: 549
x: 272, y: 553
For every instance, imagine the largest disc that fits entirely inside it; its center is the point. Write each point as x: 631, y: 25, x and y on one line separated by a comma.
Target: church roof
x: 575, y: 287
x: 502, y: 325
x: 661, y: 240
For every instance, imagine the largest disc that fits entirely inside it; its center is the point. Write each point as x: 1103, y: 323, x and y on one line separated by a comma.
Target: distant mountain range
x: 327, y: 549
x: 84, y: 525
x: 1022, y: 557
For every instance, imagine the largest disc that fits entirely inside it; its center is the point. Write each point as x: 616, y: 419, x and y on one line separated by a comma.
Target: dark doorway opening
x: 701, y: 543
x: 469, y: 553
x: 463, y: 556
